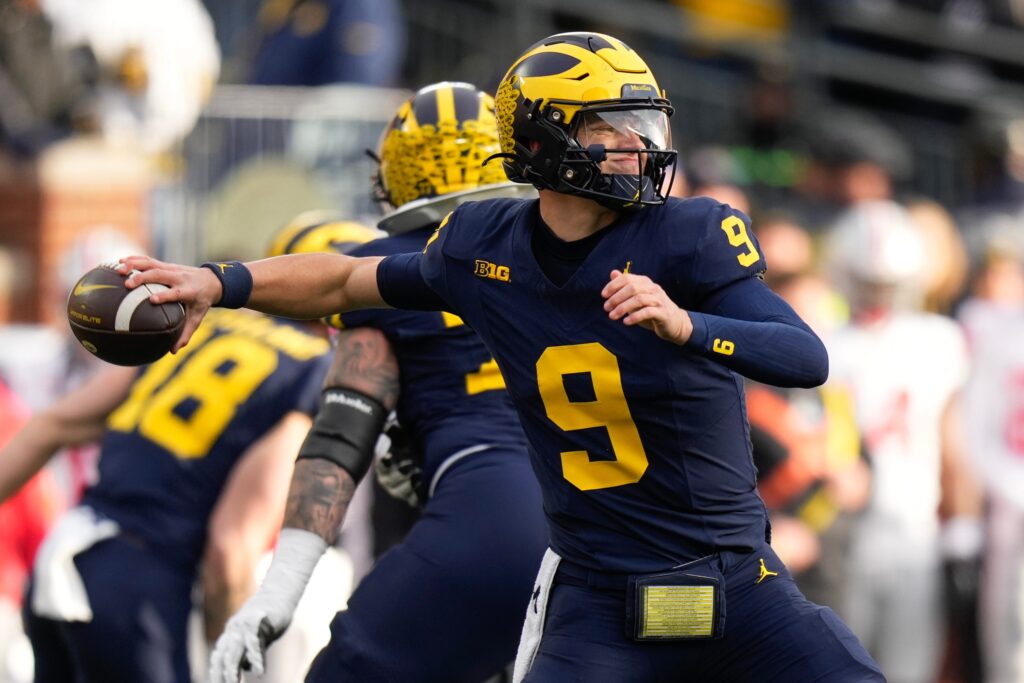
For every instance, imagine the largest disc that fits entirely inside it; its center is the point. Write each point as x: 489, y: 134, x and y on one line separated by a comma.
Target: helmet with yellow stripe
x: 581, y: 113
x: 437, y: 143
x: 318, y: 231
x: 313, y: 232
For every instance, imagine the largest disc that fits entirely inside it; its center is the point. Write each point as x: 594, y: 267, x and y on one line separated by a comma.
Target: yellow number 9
x: 736, y: 231
x: 608, y: 409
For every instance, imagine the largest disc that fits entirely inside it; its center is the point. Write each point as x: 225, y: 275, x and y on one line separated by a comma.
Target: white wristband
x: 295, y: 558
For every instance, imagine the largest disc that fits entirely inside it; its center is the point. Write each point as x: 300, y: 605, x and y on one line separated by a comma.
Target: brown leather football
x: 120, y: 325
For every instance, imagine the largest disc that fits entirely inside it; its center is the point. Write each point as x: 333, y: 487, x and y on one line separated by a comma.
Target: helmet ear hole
x: 578, y: 170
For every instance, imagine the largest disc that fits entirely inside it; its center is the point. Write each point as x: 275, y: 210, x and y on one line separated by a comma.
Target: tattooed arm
x: 321, y: 489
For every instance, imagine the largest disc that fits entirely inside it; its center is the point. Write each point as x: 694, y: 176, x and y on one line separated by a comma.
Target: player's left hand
x: 638, y: 300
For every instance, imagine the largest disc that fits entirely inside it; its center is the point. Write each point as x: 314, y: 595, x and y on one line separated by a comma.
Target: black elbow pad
x: 345, y: 430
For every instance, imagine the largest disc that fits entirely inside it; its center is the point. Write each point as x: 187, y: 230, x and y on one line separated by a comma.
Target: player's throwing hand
x: 196, y: 288
x: 637, y: 300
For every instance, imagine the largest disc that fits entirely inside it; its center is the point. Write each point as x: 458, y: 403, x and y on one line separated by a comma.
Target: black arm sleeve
x: 402, y: 285
x: 749, y: 329
x: 345, y: 430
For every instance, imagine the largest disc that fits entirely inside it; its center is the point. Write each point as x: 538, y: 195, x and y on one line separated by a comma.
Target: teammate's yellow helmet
x: 437, y: 144
x: 575, y: 83
x: 317, y: 231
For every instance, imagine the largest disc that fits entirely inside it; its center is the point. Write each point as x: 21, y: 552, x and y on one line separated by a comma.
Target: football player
x: 908, y: 411
x: 994, y: 415
x: 619, y: 321
x: 447, y: 603
x: 195, y: 450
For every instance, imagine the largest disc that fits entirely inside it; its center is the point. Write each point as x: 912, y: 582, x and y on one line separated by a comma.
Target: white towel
x: 59, y: 592
x: 533, y: 627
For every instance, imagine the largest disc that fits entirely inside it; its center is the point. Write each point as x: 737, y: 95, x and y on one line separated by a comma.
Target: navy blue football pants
x: 447, y: 604
x: 772, y: 633
x: 138, y: 634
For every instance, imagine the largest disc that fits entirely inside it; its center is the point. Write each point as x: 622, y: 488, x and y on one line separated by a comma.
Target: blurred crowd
x: 896, y: 490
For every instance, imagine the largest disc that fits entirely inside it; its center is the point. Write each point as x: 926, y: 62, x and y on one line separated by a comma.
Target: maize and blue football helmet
x: 581, y: 113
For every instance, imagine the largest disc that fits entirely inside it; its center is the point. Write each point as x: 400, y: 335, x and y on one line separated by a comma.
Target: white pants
x: 893, y: 603
x: 1002, y: 596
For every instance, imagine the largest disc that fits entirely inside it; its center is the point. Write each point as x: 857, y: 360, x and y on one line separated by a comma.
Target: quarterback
x: 619, y: 320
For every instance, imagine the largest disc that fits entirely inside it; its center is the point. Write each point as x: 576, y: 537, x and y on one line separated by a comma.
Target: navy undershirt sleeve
x: 402, y: 285
x: 749, y: 329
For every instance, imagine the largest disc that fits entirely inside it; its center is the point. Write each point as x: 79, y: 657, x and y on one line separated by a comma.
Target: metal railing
x: 260, y: 155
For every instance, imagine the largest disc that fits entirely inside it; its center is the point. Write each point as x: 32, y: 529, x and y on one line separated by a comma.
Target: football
x: 120, y: 325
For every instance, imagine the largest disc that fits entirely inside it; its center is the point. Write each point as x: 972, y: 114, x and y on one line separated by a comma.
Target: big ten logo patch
x: 492, y: 271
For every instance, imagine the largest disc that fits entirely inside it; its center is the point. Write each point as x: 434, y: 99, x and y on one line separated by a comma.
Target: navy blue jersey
x: 641, y: 446
x: 169, y: 447
x: 452, y: 395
